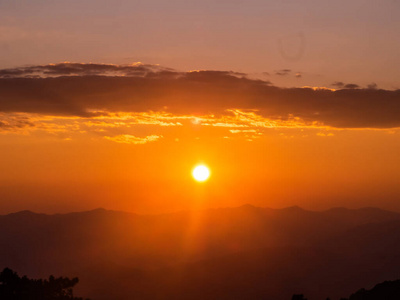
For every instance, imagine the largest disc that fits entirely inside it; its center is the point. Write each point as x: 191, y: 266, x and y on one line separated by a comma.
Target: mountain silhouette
x: 388, y: 290
x: 227, y: 253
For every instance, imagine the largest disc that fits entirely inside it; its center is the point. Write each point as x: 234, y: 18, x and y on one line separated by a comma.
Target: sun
x: 201, y: 173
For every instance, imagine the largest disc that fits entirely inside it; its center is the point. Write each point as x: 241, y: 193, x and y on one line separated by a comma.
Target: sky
x: 112, y: 103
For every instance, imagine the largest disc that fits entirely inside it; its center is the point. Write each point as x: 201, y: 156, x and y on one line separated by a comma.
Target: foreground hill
x: 228, y: 253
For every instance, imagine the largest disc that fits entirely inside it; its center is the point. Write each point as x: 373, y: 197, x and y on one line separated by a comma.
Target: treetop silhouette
x: 13, y: 287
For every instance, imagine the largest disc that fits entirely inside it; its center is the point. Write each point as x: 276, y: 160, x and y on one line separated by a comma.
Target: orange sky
x: 79, y: 137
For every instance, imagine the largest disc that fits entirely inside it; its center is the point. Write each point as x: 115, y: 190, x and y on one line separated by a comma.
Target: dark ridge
x: 388, y: 290
x: 247, y: 206
x: 337, y: 209
x: 23, y: 212
x: 293, y: 208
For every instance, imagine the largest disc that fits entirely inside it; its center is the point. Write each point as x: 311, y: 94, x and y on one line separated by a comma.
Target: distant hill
x: 228, y: 253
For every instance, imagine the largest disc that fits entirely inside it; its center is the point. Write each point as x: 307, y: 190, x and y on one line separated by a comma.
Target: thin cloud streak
x: 130, y: 139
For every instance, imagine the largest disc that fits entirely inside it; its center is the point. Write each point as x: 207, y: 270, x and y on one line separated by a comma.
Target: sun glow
x: 201, y: 173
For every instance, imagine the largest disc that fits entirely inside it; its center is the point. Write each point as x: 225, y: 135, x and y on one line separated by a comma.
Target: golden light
x: 201, y: 173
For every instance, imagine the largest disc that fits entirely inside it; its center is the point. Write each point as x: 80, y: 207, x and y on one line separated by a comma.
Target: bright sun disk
x: 201, y: 173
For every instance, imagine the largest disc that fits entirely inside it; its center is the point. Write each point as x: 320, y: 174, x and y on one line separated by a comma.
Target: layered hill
x: 228, y: 253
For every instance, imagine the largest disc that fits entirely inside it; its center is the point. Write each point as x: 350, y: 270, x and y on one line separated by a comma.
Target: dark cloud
x: 283, y: 72
x: 341, y: 85
x: 298, y: 75
x: 197, y: 92
x: 91, y: 69
x: 351, y: 86
x: 338, y: 84
x: 372, y: 86
x: 81, y: 69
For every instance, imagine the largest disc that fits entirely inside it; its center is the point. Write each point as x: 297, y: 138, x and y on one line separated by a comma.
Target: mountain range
x: 245, y: 252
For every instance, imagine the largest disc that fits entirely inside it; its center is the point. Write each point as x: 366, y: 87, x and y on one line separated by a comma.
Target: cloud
x: 338, y: 84
x: 325, y: 134
x: 130, y: 139
x: 341, y: 85
x: 14, y: 122
x: 372, y: 86
x: 97, y: 92
x: 243, y: 131
x: 82, y: 69
x: 351, y: 86
x: 283, y: 72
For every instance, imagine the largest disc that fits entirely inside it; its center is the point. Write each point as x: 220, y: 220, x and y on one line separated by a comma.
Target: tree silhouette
x: 388, y: 290
x: 13, y: 287
x: 298, y: 297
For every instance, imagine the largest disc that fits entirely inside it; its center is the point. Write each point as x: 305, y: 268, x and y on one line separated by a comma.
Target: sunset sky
x: 112, y: 104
